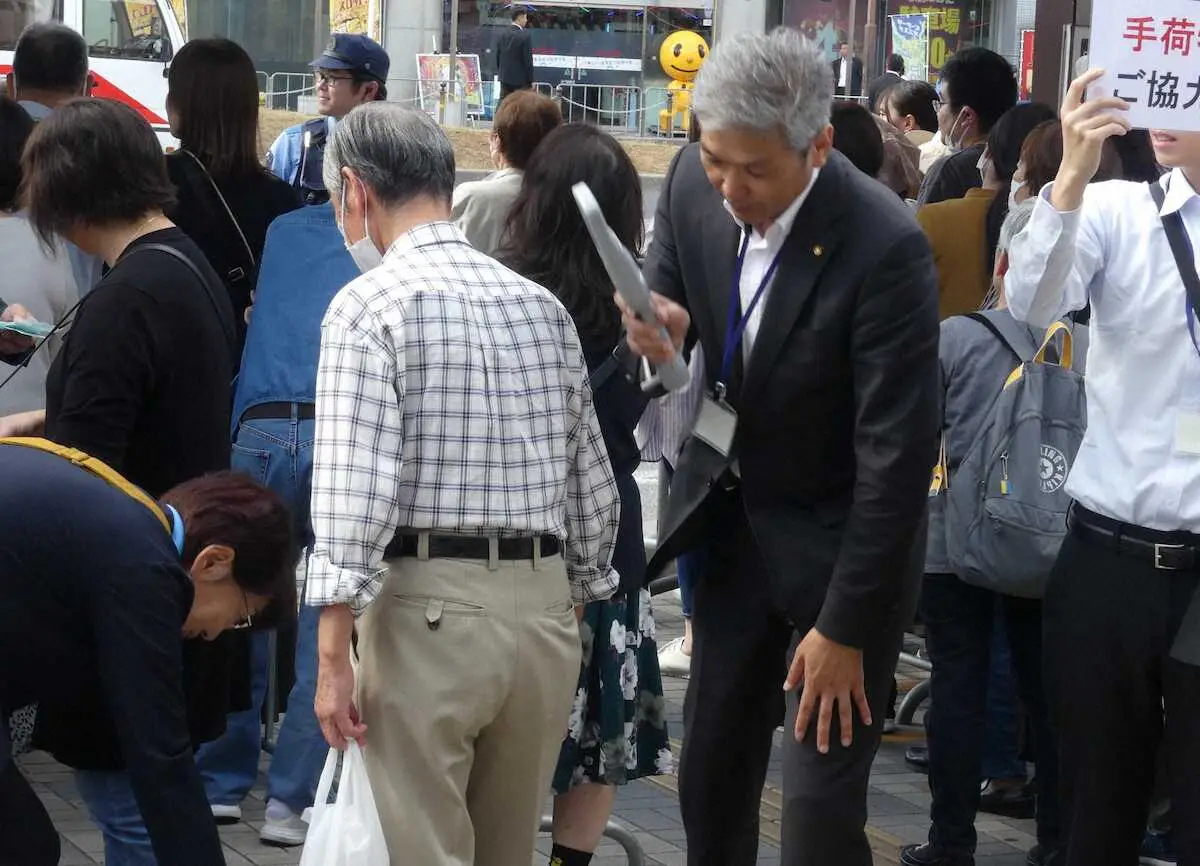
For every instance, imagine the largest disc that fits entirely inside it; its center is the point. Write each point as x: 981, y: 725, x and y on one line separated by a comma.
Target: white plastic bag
x: 347, y: 832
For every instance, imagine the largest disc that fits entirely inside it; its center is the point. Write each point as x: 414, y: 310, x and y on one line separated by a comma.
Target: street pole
x: 870, y: 38
x: 452, y: 68
x: 854, y: 44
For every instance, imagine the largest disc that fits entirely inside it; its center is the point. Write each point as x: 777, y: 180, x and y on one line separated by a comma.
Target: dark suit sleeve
x: 137, y: 620
x: 527, y: 54
x: 895, y: 367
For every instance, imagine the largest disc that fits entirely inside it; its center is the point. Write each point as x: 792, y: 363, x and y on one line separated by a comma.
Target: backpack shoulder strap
x: 98, y: 468
x: 230, y: 334
x: 1016, y: 340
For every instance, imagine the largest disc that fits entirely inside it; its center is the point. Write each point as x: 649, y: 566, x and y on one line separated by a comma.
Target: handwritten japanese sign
x: 1151, y: 60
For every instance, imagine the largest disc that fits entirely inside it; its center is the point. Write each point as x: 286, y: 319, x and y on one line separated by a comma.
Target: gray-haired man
x: 812, y: 291
x: 463, y: 506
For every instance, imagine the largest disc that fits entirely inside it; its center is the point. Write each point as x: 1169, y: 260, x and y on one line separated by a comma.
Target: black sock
x: 561, y: 855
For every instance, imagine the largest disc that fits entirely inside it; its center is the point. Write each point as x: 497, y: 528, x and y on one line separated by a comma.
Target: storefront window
x: 281, y: 35
x: 125, y: 28
x: 16, y: 15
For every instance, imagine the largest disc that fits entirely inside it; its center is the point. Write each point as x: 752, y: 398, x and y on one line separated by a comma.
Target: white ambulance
x: 130, y: 43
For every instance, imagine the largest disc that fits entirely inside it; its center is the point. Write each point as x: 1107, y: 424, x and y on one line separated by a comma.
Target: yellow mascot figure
x: 681, y: 56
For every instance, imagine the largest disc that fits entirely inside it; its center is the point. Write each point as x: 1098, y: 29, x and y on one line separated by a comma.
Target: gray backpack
x: 1006, y: 506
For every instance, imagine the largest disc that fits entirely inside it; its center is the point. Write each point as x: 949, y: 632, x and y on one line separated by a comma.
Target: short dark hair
x: 1136, y: 151
x: 856, y: 135
x: 522, y: 121
x: 916, y: 98
x: 15, y: 128
x: 1004, y: 145
x: 51, y: 57
x: 895, y: 63
x: 90, y: 163
x: 234, y: 510
x: 518, y: 11
x: 546, y: 240
x: 213, y: 89
x: 1042, y: 153
x: 981, y: 80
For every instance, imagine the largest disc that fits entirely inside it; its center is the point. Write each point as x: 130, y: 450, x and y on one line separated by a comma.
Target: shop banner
x: 1152, y: 61
x: 910, y: 39
x: 1026, y: 81
x: 355, y: 16
x: 824, y: 23
x: 946, y: 20
x: 142, y: 15
x: 434, y: 69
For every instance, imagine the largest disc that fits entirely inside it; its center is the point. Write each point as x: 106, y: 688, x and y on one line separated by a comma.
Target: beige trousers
x: 466, y: 680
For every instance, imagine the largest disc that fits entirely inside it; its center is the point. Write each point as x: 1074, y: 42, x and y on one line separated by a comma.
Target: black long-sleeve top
x: 93, y: 598
x: 143, y: 382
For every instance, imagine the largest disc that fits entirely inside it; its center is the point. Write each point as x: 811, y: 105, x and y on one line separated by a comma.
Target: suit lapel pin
x: 818, y: 251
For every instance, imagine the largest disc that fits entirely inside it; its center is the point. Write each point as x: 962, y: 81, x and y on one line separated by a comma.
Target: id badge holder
x: 717, y: 422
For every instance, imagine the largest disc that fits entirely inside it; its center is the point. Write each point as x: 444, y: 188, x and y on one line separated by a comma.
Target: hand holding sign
x: 1152, y: 58
x: 1085, y: 128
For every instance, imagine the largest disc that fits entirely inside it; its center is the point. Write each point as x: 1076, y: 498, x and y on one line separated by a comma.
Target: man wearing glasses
x: 351, y: 71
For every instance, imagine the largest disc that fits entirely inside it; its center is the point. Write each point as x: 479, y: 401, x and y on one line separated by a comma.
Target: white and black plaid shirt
x: 452, y: 396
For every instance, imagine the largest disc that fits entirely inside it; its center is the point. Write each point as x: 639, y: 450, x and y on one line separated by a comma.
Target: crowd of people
x: 396, y: 421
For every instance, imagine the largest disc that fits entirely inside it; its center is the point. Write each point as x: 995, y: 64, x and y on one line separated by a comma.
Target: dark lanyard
x: 1190, y: 261
x: 735, y: 327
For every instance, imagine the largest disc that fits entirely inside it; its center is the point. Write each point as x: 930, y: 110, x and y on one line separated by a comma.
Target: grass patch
x: 471, y: 145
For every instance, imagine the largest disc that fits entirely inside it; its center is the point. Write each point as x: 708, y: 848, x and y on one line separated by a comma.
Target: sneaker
x: 226, y: 814
x: 673, y: 661
x: 1038, y: 856
x: 1157, y: 850
x: 1010, y: 798
x: 928, y: 855
x: 283, y: 828
x: 917, y: 757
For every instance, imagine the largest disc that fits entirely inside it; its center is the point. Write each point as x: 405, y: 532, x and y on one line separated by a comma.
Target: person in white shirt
x: 38, y: 283
x: 1129, y: 569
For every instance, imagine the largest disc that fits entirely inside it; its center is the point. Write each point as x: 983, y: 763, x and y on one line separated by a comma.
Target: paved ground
x: 898, y: 799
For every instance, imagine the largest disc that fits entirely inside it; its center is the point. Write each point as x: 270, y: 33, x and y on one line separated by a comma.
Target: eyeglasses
x: 248, y: 619
x: 330, y: 80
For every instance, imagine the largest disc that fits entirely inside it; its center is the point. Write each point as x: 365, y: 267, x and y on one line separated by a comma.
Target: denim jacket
x: 304, y: 264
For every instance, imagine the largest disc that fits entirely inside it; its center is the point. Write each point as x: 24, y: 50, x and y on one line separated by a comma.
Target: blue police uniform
x: 298, y: 155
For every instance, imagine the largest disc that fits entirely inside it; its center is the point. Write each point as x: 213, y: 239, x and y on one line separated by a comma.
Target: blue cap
x: 356, y: 52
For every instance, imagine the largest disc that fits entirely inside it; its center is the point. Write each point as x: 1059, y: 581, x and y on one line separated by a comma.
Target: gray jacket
x: 481, y: 208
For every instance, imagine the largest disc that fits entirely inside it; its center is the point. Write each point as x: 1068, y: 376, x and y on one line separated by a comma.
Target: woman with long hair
x: 226, y: 198
x: 617, y: 729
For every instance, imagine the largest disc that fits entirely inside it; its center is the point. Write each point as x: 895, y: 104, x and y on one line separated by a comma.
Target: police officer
x: 351, y: 71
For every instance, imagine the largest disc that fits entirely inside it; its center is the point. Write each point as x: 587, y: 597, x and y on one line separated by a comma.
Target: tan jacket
x: 957, y: 231
x: 481, y: 207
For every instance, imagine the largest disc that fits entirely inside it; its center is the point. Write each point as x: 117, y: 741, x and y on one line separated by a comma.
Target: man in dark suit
x: 812, y: 292
x: 893, y: 74
x: 514, y: 55
x: 847, y: 73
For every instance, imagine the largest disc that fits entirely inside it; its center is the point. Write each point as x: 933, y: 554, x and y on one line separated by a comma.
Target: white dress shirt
x: 1143, y: 377
x: 843, y: 72
x: 760, y: 252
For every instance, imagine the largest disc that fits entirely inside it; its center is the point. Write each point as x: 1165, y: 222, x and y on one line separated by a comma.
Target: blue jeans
x: 110, y: 802
x: 278, y: 453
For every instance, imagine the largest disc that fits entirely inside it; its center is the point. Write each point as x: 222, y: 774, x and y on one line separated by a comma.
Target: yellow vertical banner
x: 355, y: 16
x: 181, y: 10
x: 141, y: 15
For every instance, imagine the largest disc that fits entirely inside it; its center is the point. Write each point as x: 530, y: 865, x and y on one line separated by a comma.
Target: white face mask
x: 955, y: 146
x: 1012, y: 194
x: 365, y: 254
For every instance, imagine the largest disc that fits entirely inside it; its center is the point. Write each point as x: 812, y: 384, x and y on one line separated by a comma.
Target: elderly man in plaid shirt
x: 463, y: 507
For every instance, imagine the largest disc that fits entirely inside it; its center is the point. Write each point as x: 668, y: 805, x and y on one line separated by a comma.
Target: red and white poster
x: 1026, y: 80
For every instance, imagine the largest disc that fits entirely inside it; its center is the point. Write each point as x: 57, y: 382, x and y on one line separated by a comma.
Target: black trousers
x: 743, y: 643
x: 506, y: 89
x: 27, y: 835
x: 958, y: 621
x: 1109, y: 623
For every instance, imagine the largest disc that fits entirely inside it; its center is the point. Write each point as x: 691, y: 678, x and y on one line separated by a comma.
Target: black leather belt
x: 1169, y: 551
x: 471, y: 547
x: 275, y: 411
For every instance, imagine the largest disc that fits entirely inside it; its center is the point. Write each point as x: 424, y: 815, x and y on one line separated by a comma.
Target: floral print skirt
x: 618, y: 727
